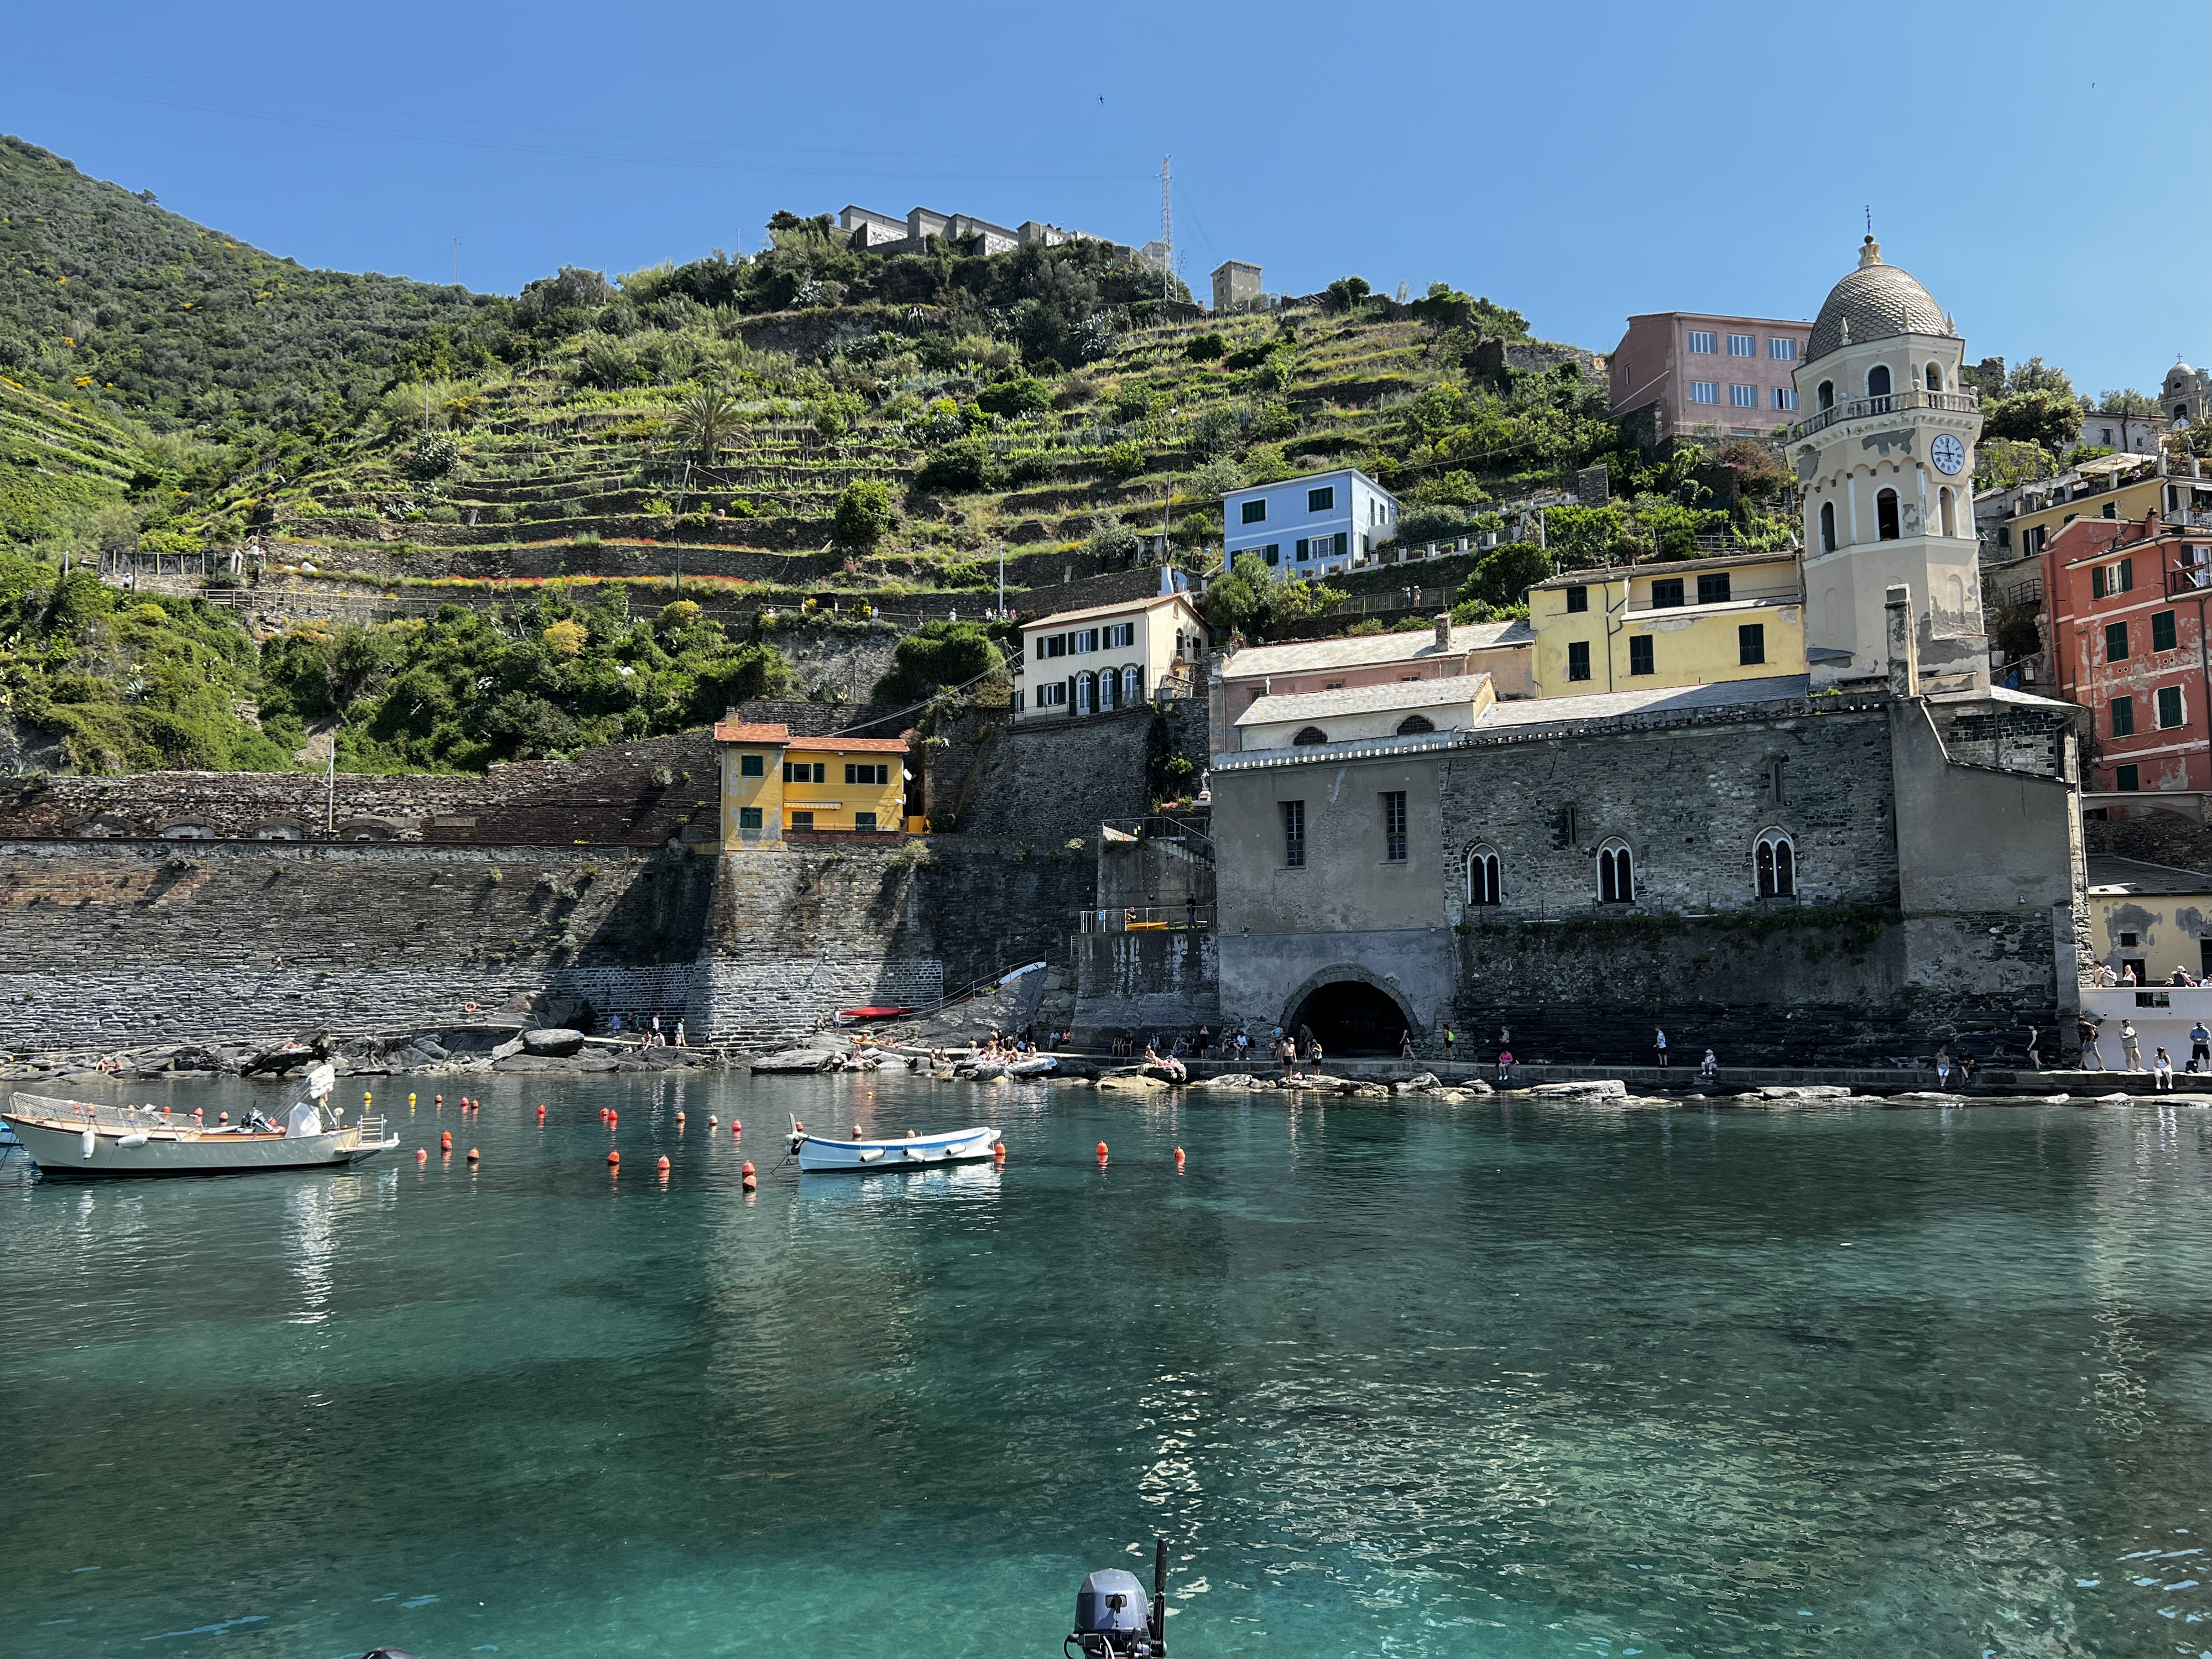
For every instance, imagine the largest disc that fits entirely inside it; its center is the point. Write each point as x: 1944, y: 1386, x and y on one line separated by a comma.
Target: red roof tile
x: 852, y: 745
x: 740, y: 732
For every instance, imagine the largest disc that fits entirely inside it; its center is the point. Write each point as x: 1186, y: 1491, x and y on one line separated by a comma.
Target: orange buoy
x: 747, y: 1168
x: 541, y: 1115
x: 1178, y: 1157
x: 663, y: 1166
x: 614, y: 1157
x: 224, y: 1118
x: 735, y: 1125
x: 999, y: 1152
x: 441, y: 1103
x: 613, y: 1117
x: 422, y: 1155
x: 472, y: 1154
x: 1101, y: 1151
x: 445, y: 1141
x: 679, y: 1120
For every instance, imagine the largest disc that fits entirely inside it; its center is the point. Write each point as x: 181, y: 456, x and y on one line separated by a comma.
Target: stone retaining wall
x: 1166, y: 981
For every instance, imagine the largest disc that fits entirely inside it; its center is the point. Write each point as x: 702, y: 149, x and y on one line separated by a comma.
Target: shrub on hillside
x: 1206, y: 348
x: 865, y: 510
x: 1012, y: 398
x: 937, y: 655
x: 963, y: 464
x: 1126, y: 459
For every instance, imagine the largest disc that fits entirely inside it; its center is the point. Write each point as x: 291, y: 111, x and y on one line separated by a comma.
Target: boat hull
x: 818, y: 1156
x: 58, y: 1150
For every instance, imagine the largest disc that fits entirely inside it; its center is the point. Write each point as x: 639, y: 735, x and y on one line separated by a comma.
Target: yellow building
x: 2149, y: 917
x: 2110, y: 487
x: 774, y: 783
x: 1690, y: 622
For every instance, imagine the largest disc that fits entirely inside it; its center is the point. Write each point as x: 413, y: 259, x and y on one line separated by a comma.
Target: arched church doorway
x: 1351, y: 1016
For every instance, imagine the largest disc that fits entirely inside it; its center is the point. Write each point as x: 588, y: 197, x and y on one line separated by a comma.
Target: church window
x: 2123, y: 717
x: 1950, y: 514
x: 1878, y: 381
x: 1308, y: 735
x: 1935, y: 378
x: 1394, y: 826
x: 1616, y: 874
x: 1776, y: 860
x: 1884, y: 513
x: 1826, y: 397
x: 1828, y: 526
x: 2169, y: 707
x: 1751, y: 644
x: 1640, y: 654
x: 1414, y: 725
x: 1483, y: 886
x: 1775, y: 781
x: 1294, y: 835
x: 1578, y: 666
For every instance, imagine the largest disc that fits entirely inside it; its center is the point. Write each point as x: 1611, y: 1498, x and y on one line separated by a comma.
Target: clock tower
x: 1884, y: 455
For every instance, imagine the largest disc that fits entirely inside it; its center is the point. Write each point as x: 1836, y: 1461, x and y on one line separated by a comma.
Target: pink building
x: 1692, y: 375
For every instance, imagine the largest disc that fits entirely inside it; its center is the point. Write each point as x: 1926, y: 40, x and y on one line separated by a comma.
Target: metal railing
x: 1196, y: 839
x: 1149, y: 918
x: 1895, y: 403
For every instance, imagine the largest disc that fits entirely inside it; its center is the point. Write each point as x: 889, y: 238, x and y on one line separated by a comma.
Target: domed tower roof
x: 1875, y: 302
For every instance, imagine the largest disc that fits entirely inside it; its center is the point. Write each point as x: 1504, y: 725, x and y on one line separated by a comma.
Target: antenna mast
x: 1167, y: 231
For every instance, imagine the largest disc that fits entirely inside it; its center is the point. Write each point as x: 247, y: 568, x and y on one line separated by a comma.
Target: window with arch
x: 1310, y: 734
x: 1084, y: 688
x: 1133, y: 686
x: 1414, y: 725
x: 1878, y: 380
x: 1826, y: 397
x: 1950, y: 512
x: 1935, y: 378
x: 1108, y: 679
x: 1885, y: 514
x: 1828, y: 526
x: 1776, y: 860
x: 1483, y: 884
x: 1616, y: 874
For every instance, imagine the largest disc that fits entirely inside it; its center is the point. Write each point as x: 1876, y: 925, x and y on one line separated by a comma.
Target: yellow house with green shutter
x: 774, y: 784
x: 1687, y: 622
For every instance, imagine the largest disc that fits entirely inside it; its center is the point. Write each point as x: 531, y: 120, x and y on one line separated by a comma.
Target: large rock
x: 1230, y: 1080
x: 1608, y: 1088
x: 798, y: 1059
x: 1134, y: 1084
x: 507, y: 1049
x: 552, y: 1042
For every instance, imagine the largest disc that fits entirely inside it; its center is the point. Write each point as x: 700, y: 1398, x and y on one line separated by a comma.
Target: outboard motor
x: 1112, y: 1619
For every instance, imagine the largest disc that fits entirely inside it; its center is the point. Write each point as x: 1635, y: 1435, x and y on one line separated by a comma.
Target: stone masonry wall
x: 1146, y: 983
x: 1053, y: 781
x: 105, y: 944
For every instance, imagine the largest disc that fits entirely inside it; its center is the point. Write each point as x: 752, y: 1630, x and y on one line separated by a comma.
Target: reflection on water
x: 1489, y: 1380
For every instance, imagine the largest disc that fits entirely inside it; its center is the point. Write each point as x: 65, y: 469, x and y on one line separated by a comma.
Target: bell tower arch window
x: 1935, y: 377
x: 1885, y: 514
x: 1828, y: 526
x: 1775, y: 862
x: 1826, y: 397
x: 1878, y: 387
x: 1616, y: 874
x: 1950, y: 511
x: 1483, y: 869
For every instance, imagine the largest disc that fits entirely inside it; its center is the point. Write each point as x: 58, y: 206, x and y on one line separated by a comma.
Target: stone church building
x: 1852, y: 865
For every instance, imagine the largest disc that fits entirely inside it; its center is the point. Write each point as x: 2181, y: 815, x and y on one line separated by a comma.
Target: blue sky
x: 1580, y: 162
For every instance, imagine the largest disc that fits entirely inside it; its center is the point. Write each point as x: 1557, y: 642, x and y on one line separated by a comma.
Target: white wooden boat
x: 78, y: 1138
x: 819, y: 1153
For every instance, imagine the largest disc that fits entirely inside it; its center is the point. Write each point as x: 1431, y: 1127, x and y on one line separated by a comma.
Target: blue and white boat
x: 821, y: 1154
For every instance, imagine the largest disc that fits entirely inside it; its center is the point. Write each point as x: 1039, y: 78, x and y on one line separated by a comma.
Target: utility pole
x: 1002, y: 581
x: 1167, y: 231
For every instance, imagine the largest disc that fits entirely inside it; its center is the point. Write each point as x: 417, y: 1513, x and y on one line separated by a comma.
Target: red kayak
x: 872, y: 1013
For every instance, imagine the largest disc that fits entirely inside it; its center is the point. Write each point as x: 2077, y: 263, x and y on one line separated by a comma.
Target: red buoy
x: 1178, y: 1157
x: 663, y: 1166
x: 445, y: 1141
x: 999, y: 1152
x: 541, y: 1115
x: 747, y: 1168
x: 1101, y: 1151
x: 735, y: 1125
x: 614, y: 1157
x: 472, y: 1154
x: 422, y: 1155
x: 441, y: 1103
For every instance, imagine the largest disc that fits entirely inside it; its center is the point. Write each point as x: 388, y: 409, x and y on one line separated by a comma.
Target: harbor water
x: 1396, y: 1378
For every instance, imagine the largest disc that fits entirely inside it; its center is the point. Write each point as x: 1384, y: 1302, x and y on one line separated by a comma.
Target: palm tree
x: 706, y: 421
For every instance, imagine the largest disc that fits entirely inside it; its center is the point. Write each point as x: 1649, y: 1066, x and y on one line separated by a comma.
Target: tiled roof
x: 1365, y: 699
x: 780, y: 737
x: 2108, y: 874
x: 1056, y: 618
x: 1611, y: 705
x: 1364, y: 651
x: 851, y: 745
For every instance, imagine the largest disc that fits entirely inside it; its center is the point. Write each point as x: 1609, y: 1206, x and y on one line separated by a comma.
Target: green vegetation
x: 937, y: 656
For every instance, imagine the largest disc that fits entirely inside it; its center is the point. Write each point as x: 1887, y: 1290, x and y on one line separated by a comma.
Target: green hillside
x: 809, y: 421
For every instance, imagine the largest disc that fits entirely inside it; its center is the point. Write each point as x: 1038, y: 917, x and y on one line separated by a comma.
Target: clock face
x: 1947, y: 452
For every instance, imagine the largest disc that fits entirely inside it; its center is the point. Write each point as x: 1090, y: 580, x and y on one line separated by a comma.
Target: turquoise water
x: 1402, y: 1380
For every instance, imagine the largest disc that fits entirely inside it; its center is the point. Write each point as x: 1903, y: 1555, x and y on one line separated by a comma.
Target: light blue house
x: 1314, y: 526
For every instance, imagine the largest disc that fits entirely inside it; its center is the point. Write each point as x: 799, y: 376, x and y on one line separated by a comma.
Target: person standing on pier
x: 1659, y: 1042
x: 2130, y: 1046
x: 2089, y: 1049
